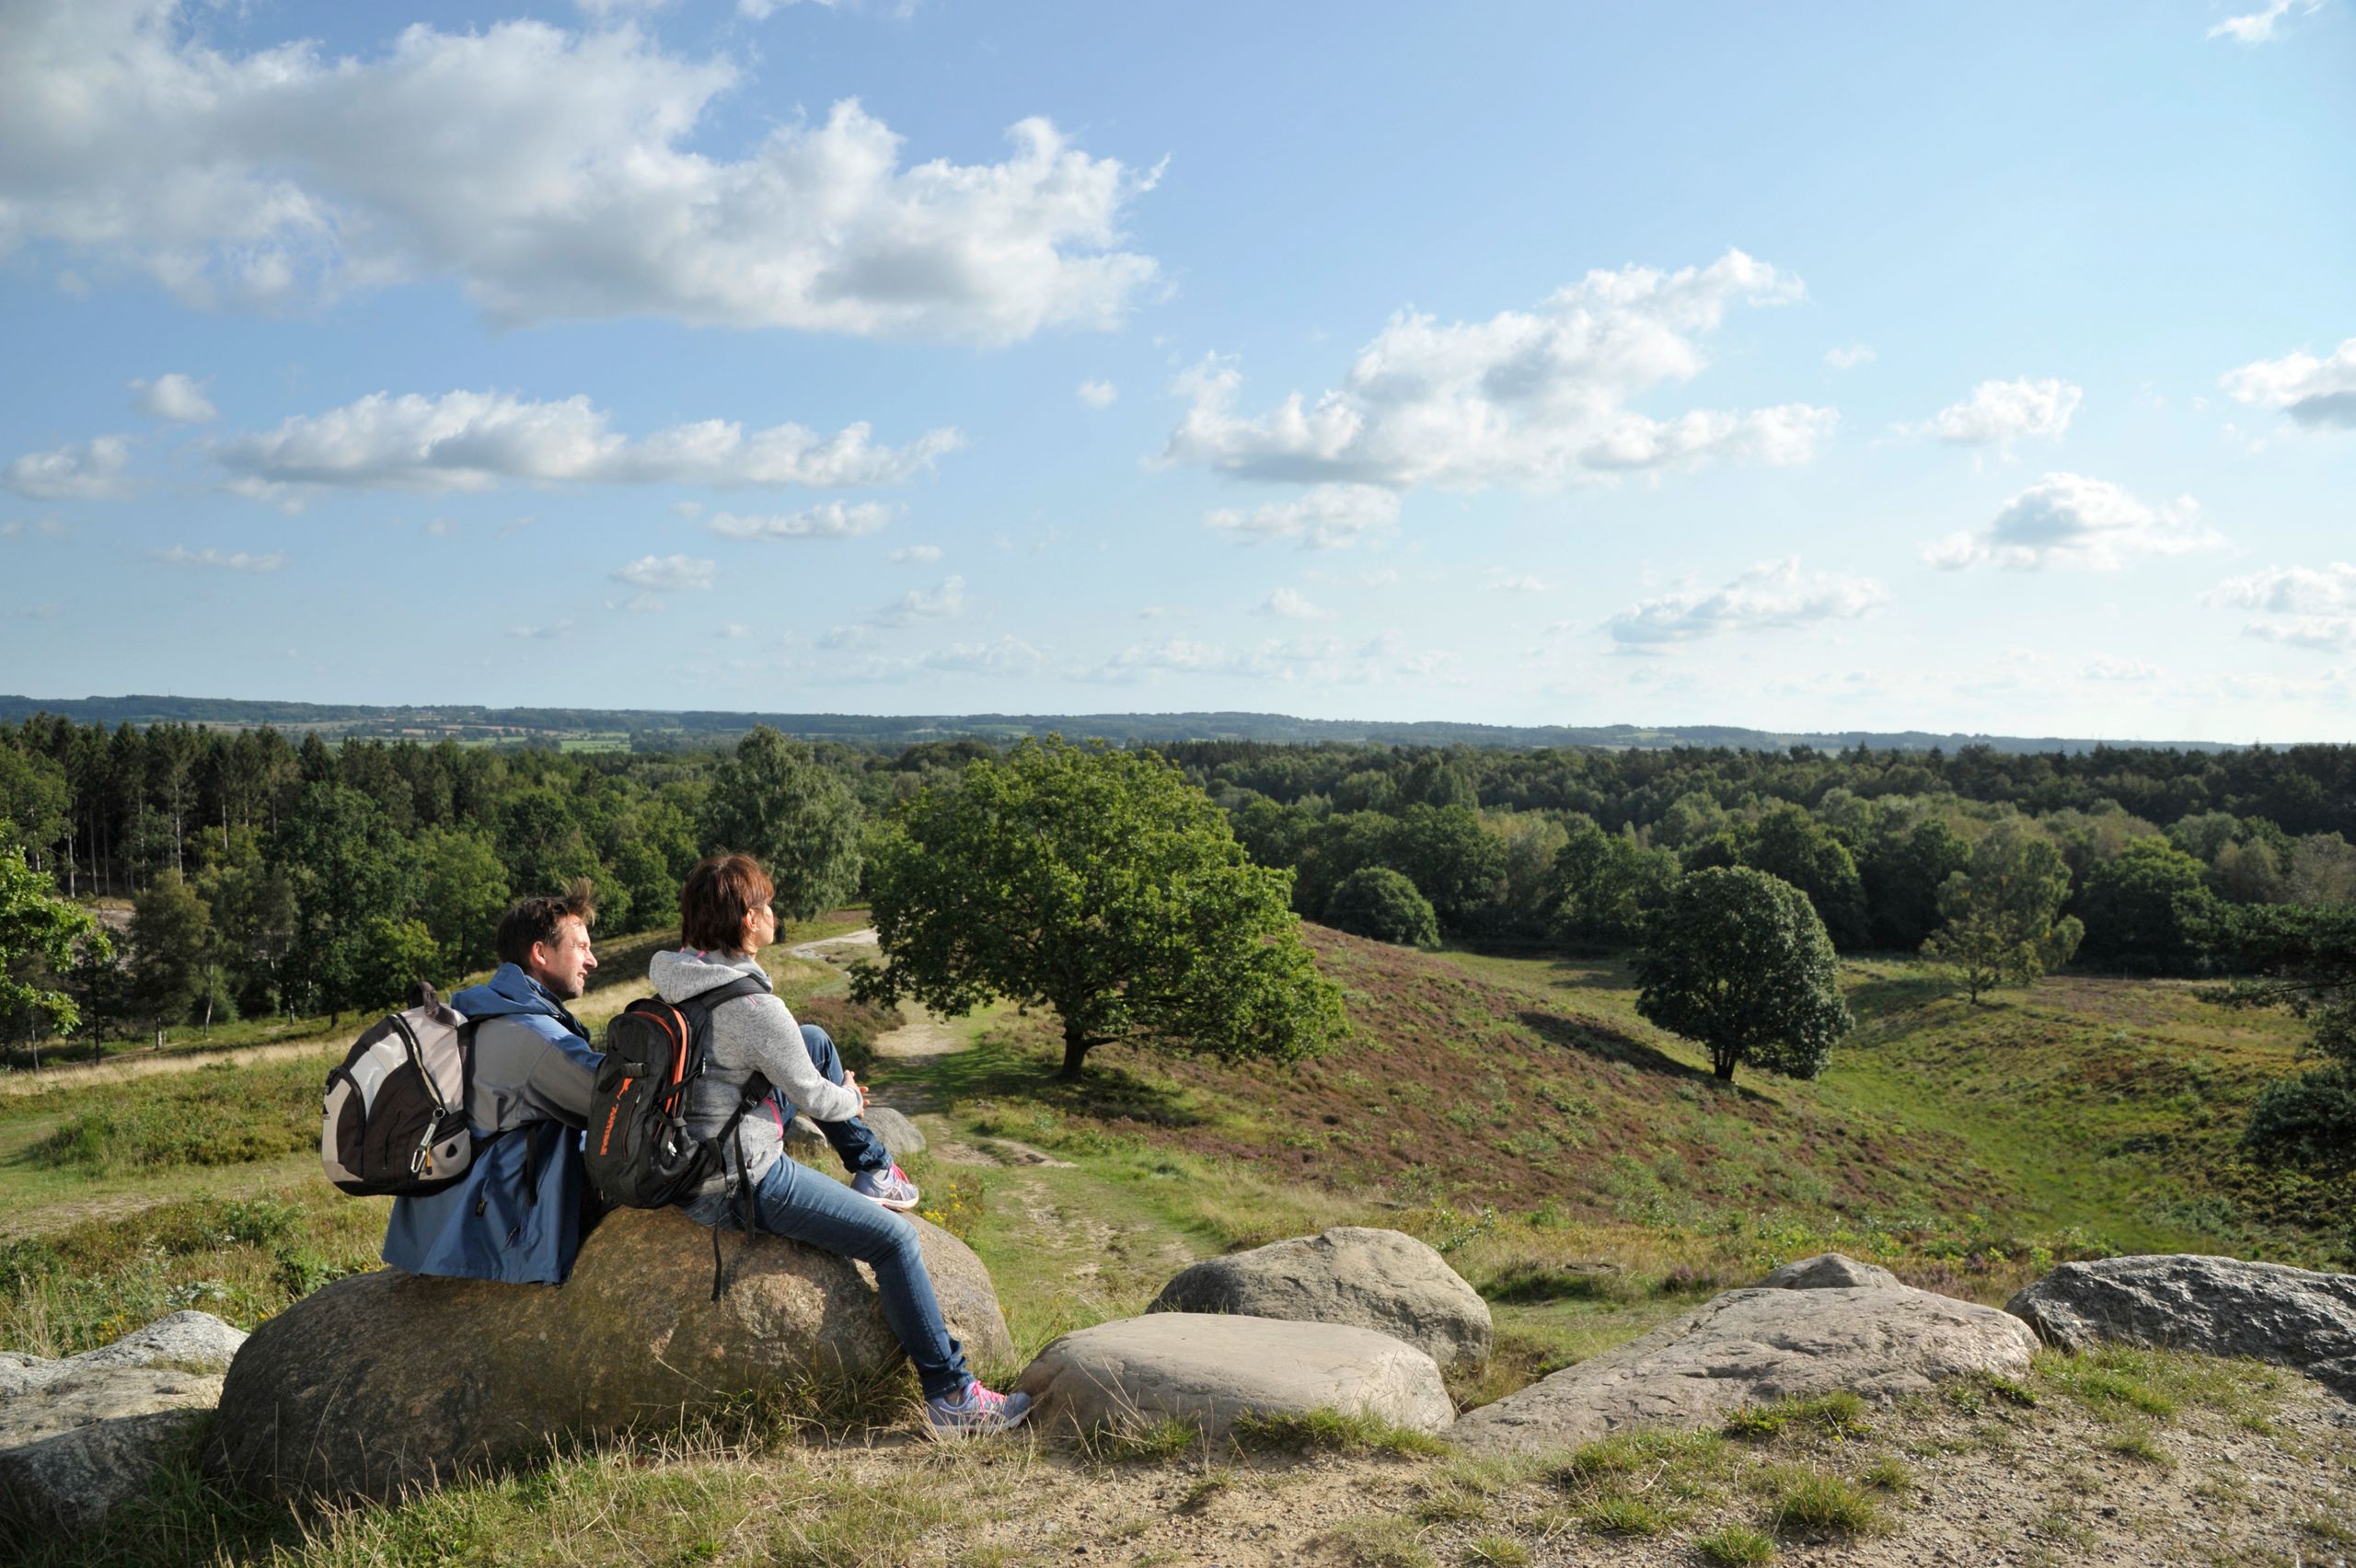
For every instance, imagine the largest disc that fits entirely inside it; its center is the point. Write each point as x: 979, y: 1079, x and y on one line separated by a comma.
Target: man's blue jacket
x: 515, y: 1216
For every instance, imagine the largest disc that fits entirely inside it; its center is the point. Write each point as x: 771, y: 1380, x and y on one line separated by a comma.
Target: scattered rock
x: 1381, y: 1280
x: 82, y: 1434
x: 1750, y: 1346
x: 1828, y: 1271
x: 389, y: 1380
x: 1208, y: 1369
x: 2218, y: 1306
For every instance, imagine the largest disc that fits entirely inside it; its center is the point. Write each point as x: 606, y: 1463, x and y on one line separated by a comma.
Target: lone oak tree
x: 1103, y: 885
x: 1739, y: 962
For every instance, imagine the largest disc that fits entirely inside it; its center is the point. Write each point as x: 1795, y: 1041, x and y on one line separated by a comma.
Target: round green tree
x: 1102, y: 884
x: 1377, y: 902
x: 774, y: 801
x: 1739, y: 962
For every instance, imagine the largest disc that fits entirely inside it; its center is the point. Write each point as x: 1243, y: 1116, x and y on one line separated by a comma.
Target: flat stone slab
x: 1828, y: 1271
x: 1746, y: 1347
x: 1206, y: 1370
x: 80, y: 1443
x: 1384, y: 1280
x: 2290, y: 1317
x: 191, y: 1342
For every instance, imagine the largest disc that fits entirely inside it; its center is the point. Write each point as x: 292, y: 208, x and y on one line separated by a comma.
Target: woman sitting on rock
x: 726, y: 920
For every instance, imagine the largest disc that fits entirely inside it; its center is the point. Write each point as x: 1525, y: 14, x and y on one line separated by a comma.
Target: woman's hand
x: 850, y: 1081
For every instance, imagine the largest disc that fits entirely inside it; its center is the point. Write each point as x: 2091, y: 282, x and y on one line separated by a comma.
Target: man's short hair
x: 530, y: 920
x: 716, y: 897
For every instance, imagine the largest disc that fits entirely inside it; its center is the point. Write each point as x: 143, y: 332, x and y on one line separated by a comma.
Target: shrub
x: 1379, y: 902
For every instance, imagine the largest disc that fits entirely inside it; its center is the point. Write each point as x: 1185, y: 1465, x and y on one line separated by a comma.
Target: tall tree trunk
x: 1076, y: 1048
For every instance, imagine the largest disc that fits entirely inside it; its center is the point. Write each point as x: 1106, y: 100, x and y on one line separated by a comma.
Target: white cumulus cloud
x: 1998, y: 413
x: 2262, y: 26
x: 1326, y: 517
x: 218, y: 560
x: 96, y: 469
x: 2071, y: 520
x: 554, y: 174
x: 478, y: 440
x: 1772, y: 594
x: 2305, y: 607
x: 666, y: 575
x: 1098, y: 393
x: 173, y: 397
x: 917, y: 604
x: 1290, y: 605
x: 828, y: 520
x: 2318, y: 393
x: 1534, y: 398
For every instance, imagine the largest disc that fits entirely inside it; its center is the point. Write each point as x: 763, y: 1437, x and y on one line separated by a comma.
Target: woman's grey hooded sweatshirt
x: 750, y: 1034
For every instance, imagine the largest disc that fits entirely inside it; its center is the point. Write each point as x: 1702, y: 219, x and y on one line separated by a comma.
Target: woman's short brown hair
x: 716, y: 897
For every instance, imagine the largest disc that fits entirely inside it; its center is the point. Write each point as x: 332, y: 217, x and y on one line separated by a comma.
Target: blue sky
x: 1986, y: 368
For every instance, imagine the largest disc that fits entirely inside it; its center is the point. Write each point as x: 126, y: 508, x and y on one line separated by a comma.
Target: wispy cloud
x: 1098, y: 393
x: 915, y: 555
x: 2263, y: 26
x: 918, y: 605
x: 1328, y: 517
x: 828, y: 520
x: 2304, y: 607
x: 96, y: 469
x: 1850, y: 357
x: 473, y: 441
x: 1771, y: 596
x: 218, y: 560
x: 2068, y: 520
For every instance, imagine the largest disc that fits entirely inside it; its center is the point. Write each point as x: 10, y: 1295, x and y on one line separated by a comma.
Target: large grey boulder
x: 1381, y: 1280
x: 1828, y: 1271
x: 389, y: 1380
x: 1751, y: 1346
x: 2218, y: 1306
x: 1206, y: 1370
x: 81, y: 1434
x: 805, y: 1142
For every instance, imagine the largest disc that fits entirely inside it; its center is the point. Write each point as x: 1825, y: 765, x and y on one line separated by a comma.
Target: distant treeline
x: 658, y: 730
x: 318, y: 878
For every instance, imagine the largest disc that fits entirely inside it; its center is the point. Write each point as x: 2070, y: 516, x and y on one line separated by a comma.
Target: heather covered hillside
x: 2078, y: 1115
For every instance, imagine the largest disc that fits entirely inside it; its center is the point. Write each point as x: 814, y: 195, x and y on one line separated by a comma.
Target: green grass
x: 1839, y: 1415
x: 1331, y: 1431
x: 1812, y: 1504
x: 1735, y: 1546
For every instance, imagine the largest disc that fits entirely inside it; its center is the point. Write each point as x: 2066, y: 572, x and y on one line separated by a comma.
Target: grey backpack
x: 394, y: 1118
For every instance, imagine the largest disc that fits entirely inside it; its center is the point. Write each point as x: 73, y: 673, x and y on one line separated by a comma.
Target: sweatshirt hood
x: 683, y: 972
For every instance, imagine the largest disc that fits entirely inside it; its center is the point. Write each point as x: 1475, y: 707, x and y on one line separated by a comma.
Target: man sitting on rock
x: 516, y: 1214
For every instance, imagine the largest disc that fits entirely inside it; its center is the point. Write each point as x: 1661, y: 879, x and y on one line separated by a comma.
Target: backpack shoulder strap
x: 699, y: 1007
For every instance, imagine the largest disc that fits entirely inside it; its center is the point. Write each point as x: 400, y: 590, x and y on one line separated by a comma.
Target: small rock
x: 1208, y: 1370
x: 1829, y: 1271
x: 1383, y: 1280
x: 899, y: 1135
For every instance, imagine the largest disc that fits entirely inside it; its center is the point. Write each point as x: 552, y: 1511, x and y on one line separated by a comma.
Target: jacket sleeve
x: 563, y: 1078
x: 778, y: 1054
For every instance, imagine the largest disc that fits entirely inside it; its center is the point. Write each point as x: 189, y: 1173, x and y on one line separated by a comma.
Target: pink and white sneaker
x: 979, y: 1412
x: 891, y: 1188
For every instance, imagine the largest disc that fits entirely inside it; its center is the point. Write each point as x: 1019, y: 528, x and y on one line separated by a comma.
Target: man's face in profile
x: 563, y: 966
